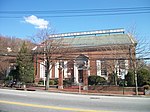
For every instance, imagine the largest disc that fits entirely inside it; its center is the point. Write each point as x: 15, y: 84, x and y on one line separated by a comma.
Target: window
x: 98, y: 64
x: 123, y: 66
x: 101, y: 68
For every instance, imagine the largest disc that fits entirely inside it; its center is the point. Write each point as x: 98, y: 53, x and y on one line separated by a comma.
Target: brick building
x: 82, y: 54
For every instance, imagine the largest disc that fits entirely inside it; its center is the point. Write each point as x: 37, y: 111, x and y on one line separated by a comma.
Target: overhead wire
x: 76, y: 13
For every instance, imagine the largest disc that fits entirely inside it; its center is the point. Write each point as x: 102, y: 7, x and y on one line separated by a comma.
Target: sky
x: 24, y: 18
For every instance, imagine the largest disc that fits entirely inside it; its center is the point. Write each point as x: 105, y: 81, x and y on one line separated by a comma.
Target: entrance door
x: 80, y: 74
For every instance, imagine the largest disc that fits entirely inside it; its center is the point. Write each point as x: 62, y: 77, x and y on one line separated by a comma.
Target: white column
x: 117, y: 68
x: 89, y: 68
x: 65, y: 69
x: 50, y: 71
x: 42, y: 70
x: 98, y: 65
x: 56, y: 70
x: 75, y: 74
x: 126, y: 66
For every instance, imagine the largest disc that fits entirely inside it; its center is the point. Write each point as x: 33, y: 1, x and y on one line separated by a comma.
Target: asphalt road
x: 27, y: 101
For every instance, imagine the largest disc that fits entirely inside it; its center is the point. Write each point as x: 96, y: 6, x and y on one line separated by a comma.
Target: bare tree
x: 141, y: 55
x: 49, y: 51
x: 53, y: 49
x: 3, y: 68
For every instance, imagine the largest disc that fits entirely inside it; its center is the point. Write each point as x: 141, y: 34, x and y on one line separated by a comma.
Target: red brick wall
x: 96, y: 54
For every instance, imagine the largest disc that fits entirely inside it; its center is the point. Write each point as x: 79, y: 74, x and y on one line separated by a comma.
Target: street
x: 40, y: 101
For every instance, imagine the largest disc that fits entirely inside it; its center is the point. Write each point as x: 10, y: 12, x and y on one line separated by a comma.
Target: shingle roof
x: 113, y: 39
x: 94, y: 41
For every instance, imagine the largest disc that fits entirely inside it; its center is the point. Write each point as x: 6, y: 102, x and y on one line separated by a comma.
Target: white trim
x: 75, y: 74
x: 65, y: 69
x: 56, y: 70
x: 117, y: 68
x: 126, y: 66
x: 42, y: 70
x: 89, y: 68
x: 50, y: 71
x: 98, y: 66
x: 119, y: 30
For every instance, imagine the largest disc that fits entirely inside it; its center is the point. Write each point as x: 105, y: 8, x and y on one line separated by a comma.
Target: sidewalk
x: 77, y: 91
x: 84, y: 92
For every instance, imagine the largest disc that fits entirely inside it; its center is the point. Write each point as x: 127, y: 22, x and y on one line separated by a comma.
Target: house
x: 81, y: 54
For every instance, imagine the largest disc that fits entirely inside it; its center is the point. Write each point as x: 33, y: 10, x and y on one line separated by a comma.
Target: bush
x: 122, y: 82
x: 53, y: 81
x: 96, y: 80
x: 67, y: 82
x: 130, y: 78
x: 143, y: 77
x: 8, y: 78
x: 113, y: 78
x: 147, y: 87
x: 41, y: 82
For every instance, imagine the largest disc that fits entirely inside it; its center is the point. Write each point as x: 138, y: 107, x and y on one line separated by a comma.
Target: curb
x: 77, y: 93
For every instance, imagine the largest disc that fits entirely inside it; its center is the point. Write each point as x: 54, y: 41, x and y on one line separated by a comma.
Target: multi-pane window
x: 123, y: 67
x: 101, y: 68
x: 98, y: 65
x: 121, y: 64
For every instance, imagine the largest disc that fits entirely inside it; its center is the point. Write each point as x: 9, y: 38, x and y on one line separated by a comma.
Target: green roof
x: 105, y: 40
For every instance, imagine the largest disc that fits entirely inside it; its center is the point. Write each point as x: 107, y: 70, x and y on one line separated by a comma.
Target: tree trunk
x: 47, y: 75
x: 60, y: 81
x: 47, y: 82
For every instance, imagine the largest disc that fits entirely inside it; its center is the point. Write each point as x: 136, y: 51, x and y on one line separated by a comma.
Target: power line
x: 77, y: 13
x: 59, y: 16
